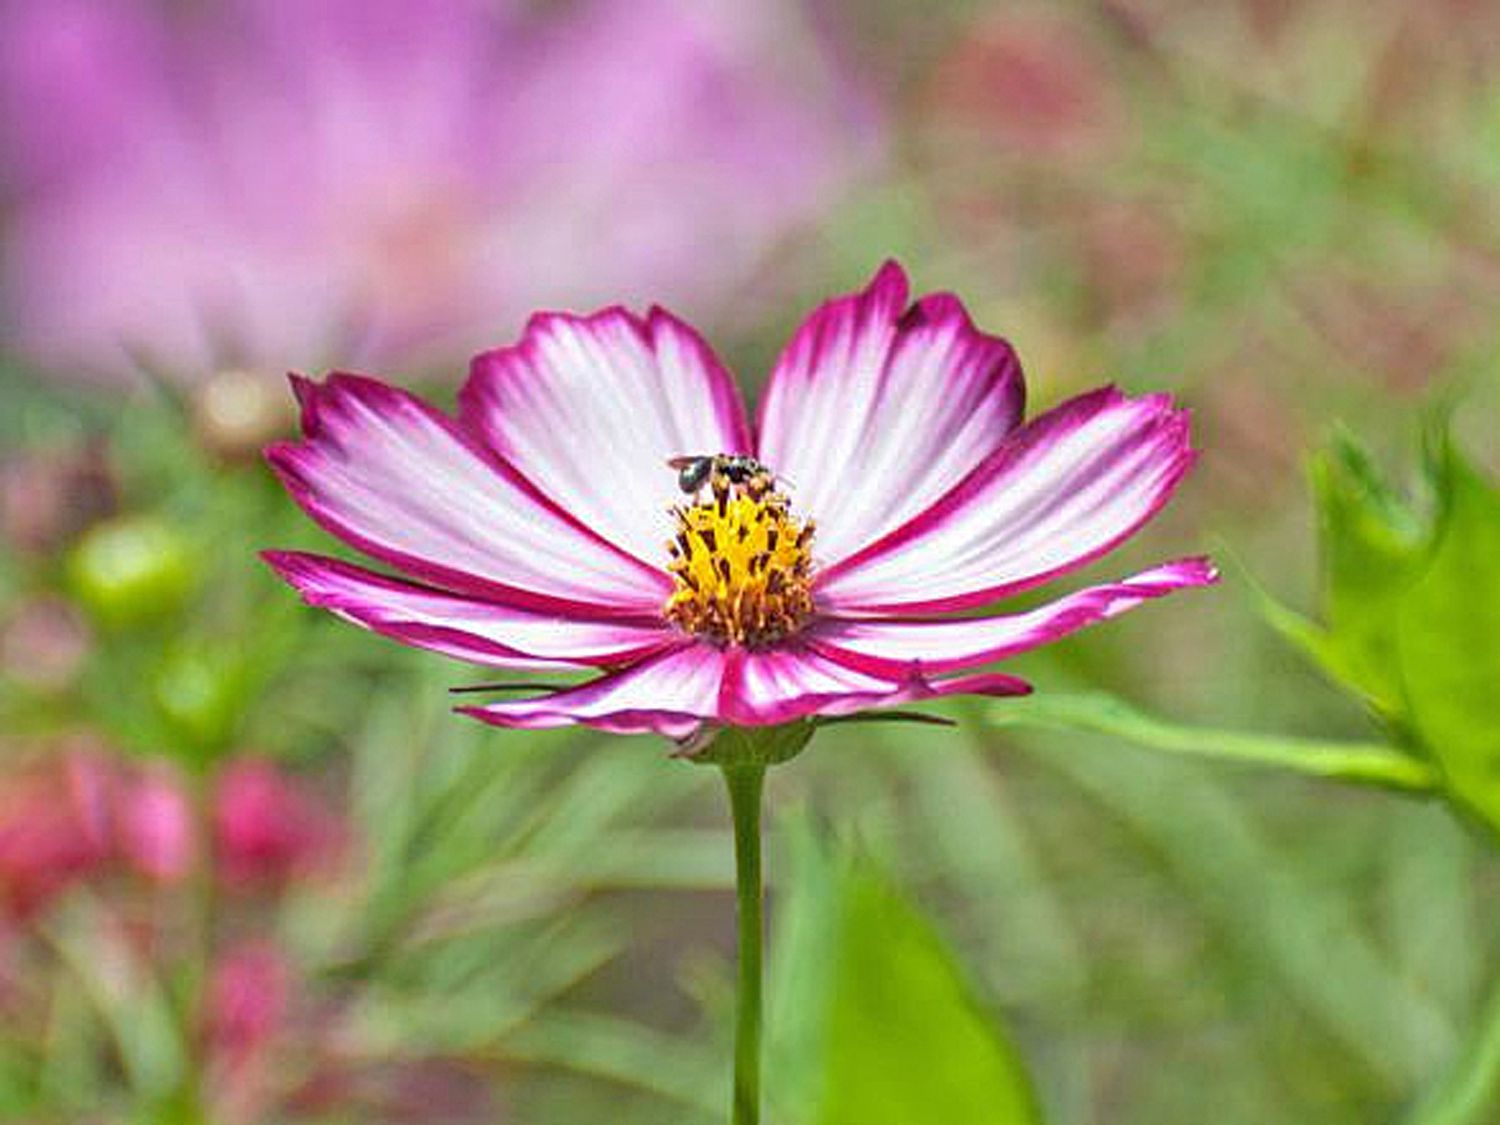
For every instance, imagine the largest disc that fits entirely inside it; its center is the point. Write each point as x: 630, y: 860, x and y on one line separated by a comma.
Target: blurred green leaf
x: 128, y: 996
x: 873, y: 1021
x: 1449, y: 632
x: 1286, y: 921
x: 1470, y: 1093
x: 1432, y: 915
x: 1366, y: 763
x: 672, y: 1066
x: 983, y: 842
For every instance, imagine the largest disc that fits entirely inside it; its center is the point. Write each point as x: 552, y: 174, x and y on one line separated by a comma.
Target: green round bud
x: 199, y: 692
x: 131, y: 570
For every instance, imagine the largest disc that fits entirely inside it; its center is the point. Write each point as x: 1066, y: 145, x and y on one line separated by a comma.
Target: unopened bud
x: 237, y: 413
x: 131, y: 570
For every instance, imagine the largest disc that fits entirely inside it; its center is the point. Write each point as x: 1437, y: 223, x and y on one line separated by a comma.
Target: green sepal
x: 730, y: 747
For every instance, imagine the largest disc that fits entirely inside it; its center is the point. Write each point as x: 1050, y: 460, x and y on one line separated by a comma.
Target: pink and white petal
x: 483, y: 632
x: 762, y: 688
x: 589, y: 409
x: 876, y: 409
x: 670, y: 693
x: 1066, y: 488
x: 404, y: 483
x: 894, y: 647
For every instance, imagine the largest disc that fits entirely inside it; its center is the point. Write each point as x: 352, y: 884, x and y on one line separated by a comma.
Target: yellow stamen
x: 742, y: 568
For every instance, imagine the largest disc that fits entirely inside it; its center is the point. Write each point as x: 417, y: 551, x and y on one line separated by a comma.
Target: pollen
x: 742, y: 567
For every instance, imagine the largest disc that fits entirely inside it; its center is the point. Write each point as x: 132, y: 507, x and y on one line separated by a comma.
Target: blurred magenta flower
x: 54, y: 829
x: 267, y: 827
x: 247, y: 1000
x: 252, y: 184
x: 246, y: 1006
x: 154, y: 822
x: 537, y: 526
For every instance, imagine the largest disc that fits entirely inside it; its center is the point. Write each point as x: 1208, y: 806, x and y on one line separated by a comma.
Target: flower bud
x: 267, y: 827
x: 247, y: 999
x: 54, y: 830
x: 130, y: 570
x: 236, y: 413
x: 155, y: 825
x: 197, y: 689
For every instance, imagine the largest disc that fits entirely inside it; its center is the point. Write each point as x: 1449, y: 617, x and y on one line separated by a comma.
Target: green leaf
x: 1449, y: 634
x: 906, y: 1040
x: 1412, y: 609
x: 1373, y: 546
x: 869, y: 995
x: 1365, y: 763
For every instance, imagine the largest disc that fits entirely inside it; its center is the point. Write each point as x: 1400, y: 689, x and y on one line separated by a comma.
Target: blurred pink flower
x: 532, y: 529
x: 154, y: 822
x: 54, y: 830
x: 49, y: 495
x: 248, y: 992
x: 1037, y: 82
x: 43, y: 644
x: 267, y: 827
x: 259, y: 184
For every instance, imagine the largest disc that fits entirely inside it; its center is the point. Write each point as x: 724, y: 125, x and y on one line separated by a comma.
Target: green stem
x: 1470, y: 1093
x: 745, y: 783
x: 1365, y: 763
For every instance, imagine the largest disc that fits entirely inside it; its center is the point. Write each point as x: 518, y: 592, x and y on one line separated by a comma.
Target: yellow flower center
x: 741, y: 565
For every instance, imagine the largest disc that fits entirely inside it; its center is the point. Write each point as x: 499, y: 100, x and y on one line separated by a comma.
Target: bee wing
x: 684, y: 461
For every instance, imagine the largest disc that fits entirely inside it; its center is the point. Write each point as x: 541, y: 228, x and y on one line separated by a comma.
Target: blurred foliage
x: 1410, y: 626
x: 1409, y: 609
x: 462, y: 909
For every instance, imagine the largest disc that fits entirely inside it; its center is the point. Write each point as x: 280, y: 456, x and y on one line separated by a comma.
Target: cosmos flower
x: 888, y: 485
x: 253, y: 185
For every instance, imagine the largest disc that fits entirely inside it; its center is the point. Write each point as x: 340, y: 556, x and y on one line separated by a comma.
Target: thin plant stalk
x: 745, y: 783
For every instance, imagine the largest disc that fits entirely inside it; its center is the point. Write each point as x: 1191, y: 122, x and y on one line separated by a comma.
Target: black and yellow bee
x: 722, y: 470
